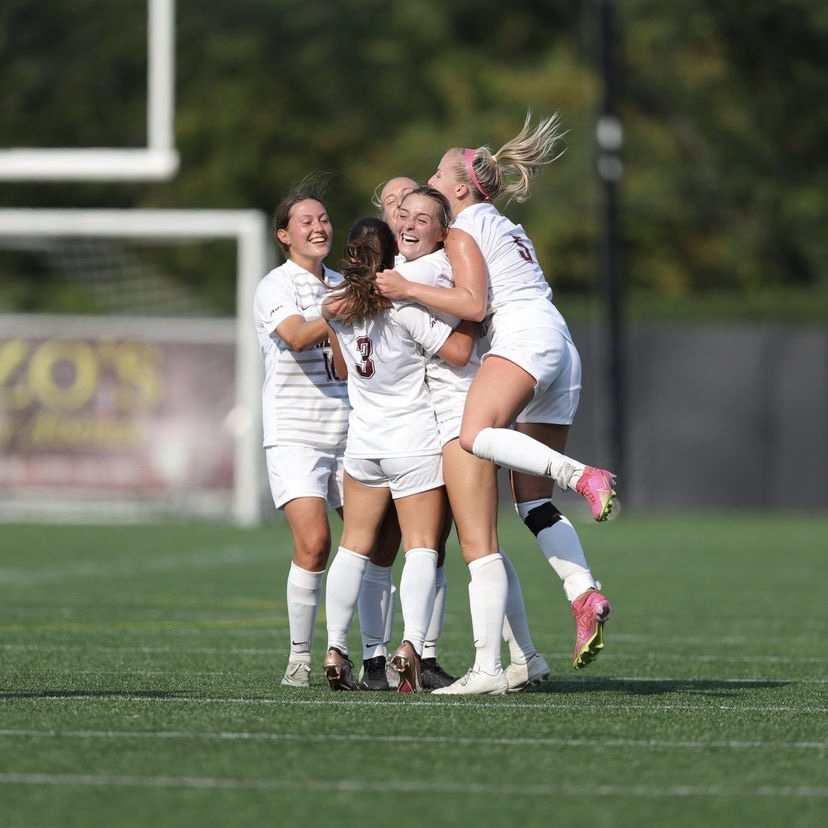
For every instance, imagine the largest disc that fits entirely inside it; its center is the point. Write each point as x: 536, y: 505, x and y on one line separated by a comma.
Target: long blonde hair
x: 511, y: 169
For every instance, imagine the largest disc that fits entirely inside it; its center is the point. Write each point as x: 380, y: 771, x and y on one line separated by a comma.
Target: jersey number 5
x: 523, y: 250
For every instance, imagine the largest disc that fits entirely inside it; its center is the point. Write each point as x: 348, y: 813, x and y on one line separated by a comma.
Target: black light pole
x: 610, y: 136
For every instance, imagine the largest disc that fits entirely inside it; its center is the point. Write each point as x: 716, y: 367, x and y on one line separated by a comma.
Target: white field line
x: 660, y: 656
x: 366, y: 786
x: 359, y: 700
x: 306, y: 738
x: 560, y: 681
x: 59, y: 648
x: 119, y: 566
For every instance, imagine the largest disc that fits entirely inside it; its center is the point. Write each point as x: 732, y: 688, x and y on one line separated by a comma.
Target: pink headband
x: 468, y: 157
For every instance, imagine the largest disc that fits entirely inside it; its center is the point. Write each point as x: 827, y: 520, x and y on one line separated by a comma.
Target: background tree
x: 723, y: 194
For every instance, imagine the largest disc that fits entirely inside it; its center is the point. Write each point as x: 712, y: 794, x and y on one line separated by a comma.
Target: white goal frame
x: 158, y: 161
x: 254, y: 258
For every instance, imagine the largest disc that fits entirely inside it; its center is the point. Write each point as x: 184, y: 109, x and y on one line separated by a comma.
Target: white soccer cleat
x: 297, y: 674
x: 476, y: 683
x: 520, y: 676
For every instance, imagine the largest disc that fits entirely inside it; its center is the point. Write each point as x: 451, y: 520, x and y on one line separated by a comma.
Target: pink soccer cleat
x: 590, y: 610
x: 596, y: 486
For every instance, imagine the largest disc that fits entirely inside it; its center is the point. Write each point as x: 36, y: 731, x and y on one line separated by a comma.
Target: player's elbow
x: 457, y: 354
x: 294, y: 343
x: 476, y: 310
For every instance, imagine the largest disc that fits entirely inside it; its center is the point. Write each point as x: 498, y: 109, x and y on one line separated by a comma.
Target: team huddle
x: 393, y: 390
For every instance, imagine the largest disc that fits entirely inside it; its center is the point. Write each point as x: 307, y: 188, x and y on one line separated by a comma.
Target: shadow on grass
x: 651, y: 687
x: 89, y: 694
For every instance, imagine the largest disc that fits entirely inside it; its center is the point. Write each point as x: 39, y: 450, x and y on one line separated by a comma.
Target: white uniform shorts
x: 449, y: 387
x: 302, y: 471
x: 449, y: 429
x: 403, y: 475
x: 536, y: 340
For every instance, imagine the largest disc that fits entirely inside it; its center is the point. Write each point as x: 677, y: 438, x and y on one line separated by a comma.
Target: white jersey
x: 514, y: 272
x: 447, y: 383
x: 392, y: 414
x: 304, y: 403
x: 516, y: 282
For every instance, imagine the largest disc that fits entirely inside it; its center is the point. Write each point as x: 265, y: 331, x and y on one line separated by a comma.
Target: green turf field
x: 141, y: 666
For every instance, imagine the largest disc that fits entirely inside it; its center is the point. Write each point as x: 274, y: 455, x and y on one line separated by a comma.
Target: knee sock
x: 560, y: 545
x: 417, y: 594
x: 435, y: 626
x: 516, y: 624
x: 488, y: 591
x: 374, y: 605
x: 303, y: 590
x: 341, y: 595
x: 523, y: 453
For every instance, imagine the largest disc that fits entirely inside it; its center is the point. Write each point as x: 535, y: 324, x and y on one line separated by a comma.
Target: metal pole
x: 610, y: 137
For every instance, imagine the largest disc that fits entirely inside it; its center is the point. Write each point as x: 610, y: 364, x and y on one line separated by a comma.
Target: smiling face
x: 419, y: 228
x: 391, y: 197
x: 308, y: 235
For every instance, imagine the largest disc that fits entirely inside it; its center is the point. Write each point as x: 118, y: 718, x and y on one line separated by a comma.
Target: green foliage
x: 721, y: 102
x: 726, y: 142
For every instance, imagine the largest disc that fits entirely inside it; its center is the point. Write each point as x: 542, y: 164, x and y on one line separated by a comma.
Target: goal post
x: 254, y: 257
x: 157, y: 161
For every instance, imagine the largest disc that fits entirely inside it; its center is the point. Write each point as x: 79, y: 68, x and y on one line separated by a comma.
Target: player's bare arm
x: 468, y: 299
x: 299, y: 334
x: 459, y: 346
x: 340, y: 365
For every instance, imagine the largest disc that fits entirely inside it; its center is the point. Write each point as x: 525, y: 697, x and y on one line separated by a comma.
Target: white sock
x: 303, y: 590
x: 417, y: 594
x: 435, y: 627
x: 488, y: 591
x: 561, y: 546
x: 374, y: 603
x: 341, y: 595
x: 523, y: 453
x: 516, y: 624
x: 389, y: 617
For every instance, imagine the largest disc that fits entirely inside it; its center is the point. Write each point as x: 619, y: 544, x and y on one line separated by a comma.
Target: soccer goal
x: 156, y: 161
x: 152, y: 407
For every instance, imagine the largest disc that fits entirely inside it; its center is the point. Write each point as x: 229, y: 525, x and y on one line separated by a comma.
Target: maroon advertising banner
x: 115, y: 413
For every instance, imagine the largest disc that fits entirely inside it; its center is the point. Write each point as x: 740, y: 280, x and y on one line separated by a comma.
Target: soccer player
x: 392, y: 450
x: 530, y: 375
x: 389, y: 195
x: 378, y: 596
x: 422, y: 222
x: 305, y: 407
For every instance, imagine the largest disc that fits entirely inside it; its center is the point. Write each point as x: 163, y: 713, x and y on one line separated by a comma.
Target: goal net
x: 152, y: 406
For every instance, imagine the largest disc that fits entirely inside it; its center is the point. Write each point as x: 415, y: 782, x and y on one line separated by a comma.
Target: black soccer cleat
x: 373, y: 674
x: 434, y: 676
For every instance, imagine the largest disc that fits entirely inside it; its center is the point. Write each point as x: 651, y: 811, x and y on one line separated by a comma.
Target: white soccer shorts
x: 403, y: 475
x: 302, y: 471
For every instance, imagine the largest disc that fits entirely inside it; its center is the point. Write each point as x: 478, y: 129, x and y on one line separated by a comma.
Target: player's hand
x: 332, y: 305
x: 392, y: 285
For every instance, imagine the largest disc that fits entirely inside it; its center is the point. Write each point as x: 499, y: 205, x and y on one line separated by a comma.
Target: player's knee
x: 467, y: 437
x: 312, y: 551
x: 542, y: 517
x: 384, y: 554
x: 466, y: 441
